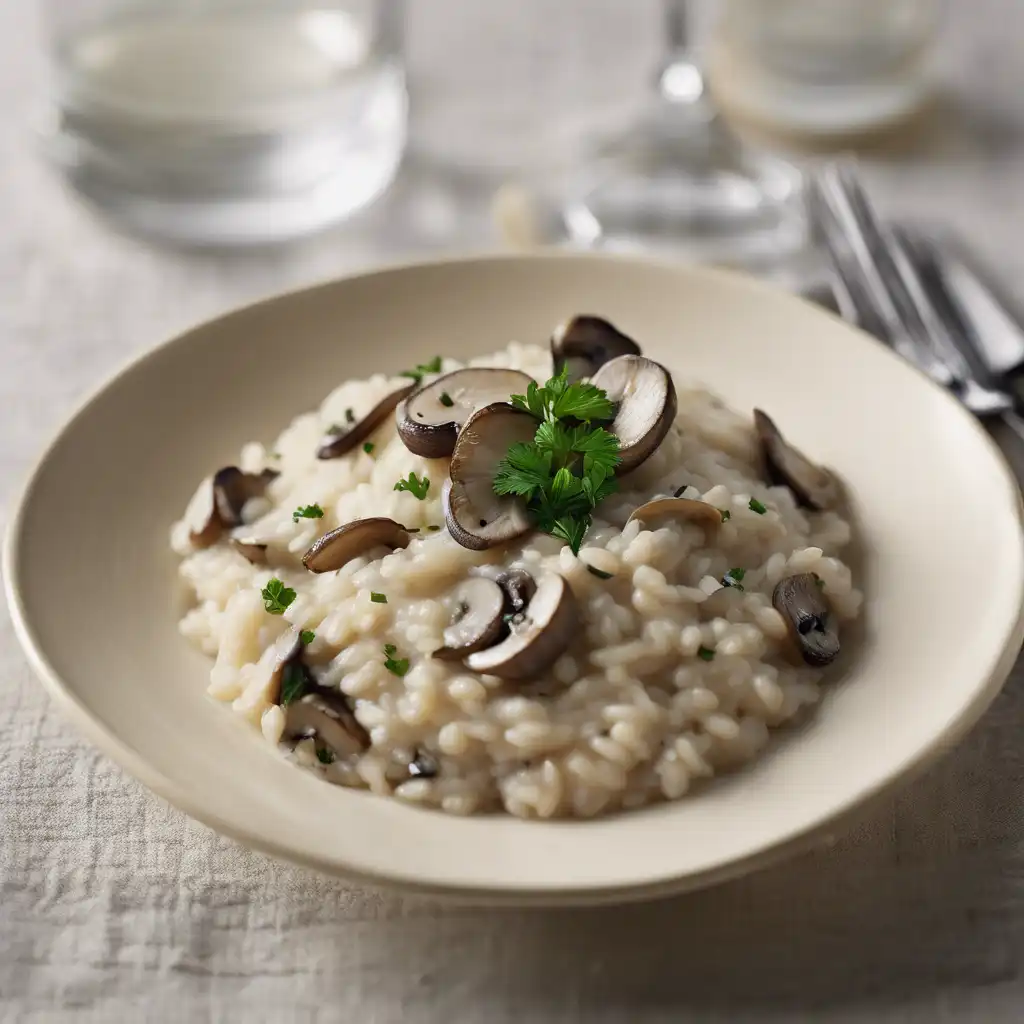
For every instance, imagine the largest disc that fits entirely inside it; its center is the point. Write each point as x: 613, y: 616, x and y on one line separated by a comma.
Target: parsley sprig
x: 421, y: 371
x: 307, y: 512
x: 276, y: 596
x: 415, y: 486
x: 569, y: 466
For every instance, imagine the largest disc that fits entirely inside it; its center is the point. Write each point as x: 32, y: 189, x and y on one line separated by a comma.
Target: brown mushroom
x: 429, y: 420
x: 252, y: 550
x: 476, y: 517
x: 223, y: 498
x: 287, y: 657
x: 477, y: 622
x: 353, y: 539
x: 537, y: 637
x: 342, y: 438
x: 325, y: 714
x: 812, y: 486
x: 688, y: 509
x: 646, y: 406
x: 584, y: 343
x: 801, y: 601
x: 519, y: 587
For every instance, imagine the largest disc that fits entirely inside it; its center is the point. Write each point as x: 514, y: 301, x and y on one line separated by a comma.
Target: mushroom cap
x: 478, y: 622
x: 537, y: 637
x: 287, y: 650
x: 333, y: 445
x: 646, y: 399
x: 254, y: 551
x: 353, y: 539
x: 802, y: 603
x: 429, y: 427
x: 325, y: 714
x: 476, y: 517
x: 687, y: 509
x: 220, y: 501
x: 584, y: 343
x: 519, y: 587
x: 812, y: 486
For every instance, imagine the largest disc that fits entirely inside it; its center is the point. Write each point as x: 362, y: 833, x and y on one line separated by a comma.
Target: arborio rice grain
x: 630, y: 714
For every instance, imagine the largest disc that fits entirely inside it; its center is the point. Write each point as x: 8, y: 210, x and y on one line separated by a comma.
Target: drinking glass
x: 227, y: 122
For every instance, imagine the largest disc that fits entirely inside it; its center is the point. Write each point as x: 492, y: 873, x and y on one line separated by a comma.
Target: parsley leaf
x: 705, y: 653
x: 733, y: 578
x: 293, y: 683
x: 583, y: 402
x: 524, y: 470
x: 307, y: 636
x: 446, y: 400
x: 307, y: 512
x: 756, y: 506
x: 324, y: 756
x: 276, y: 596
x: 396, y: 666
x: 599, y: 573
x: 415, y: 486
x: 378, y: 598
x: 434, y: 366
x: 350, y: 416
x: 726, y: 514
x: 368, y: 447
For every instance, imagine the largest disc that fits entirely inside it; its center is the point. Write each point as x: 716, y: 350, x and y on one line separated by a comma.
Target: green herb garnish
x: 293, y: 684
x: 276, y: 596
x: 678, y: 492
x: 819, y: 582
x: 569, y: 466
x: 415, y: 486
x: 434, y: 366
x: 756, y: 506
x: 705, y: 653
x: 307, y: 512
x: 599, y: 573
x: 446, y: 399
x: 368, y: 447
x: 734, y: 578
x: 307, y: 636
x: 396, y: 666
x: 434, y: 529
x: 378, y: 598
x: 324, y: 756
x: 350, y: 416
x: 726, y: 514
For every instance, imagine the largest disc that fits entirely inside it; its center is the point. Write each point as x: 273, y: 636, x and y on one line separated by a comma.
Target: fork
x: 879, y: 286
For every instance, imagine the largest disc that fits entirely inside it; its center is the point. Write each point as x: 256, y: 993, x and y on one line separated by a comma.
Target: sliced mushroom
x: 326, y: 715
x: 477, y: 623
x: 287, y: 651
x: 519, y: 587
x: 688, y: 509
x: 802, y: 603
x: 429, y: 419
x: 646, y: 399
x: 219, y: 504
x: 423, y: 766
x: 585, y: 343
x: 350, y: 541
x: 537, y: 637
x: 252, y: 550
x: 341, y: 440
x: 477, y: 517
x: 812, y: 486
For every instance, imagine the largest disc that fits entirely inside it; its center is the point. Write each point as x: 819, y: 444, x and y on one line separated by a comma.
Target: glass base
x: 681, y: 182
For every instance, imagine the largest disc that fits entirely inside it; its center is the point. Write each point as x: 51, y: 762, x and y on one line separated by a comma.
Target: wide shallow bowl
x: 92, y: 587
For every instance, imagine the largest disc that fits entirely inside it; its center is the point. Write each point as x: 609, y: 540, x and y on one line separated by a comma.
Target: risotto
x: 607, y: 639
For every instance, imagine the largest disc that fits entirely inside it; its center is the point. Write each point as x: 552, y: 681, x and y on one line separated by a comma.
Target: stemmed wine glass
x: 679, y: 179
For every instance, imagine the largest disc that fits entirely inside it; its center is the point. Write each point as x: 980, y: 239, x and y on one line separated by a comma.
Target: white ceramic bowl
x: 92, y: 588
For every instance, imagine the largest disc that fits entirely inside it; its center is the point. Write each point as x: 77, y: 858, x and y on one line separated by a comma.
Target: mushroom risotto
x: 545, y: 581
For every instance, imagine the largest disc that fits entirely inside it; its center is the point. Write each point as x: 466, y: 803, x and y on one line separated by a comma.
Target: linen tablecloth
x: 116, y: 907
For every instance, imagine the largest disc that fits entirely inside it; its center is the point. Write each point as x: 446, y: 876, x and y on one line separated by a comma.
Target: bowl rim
x: 800, y: 839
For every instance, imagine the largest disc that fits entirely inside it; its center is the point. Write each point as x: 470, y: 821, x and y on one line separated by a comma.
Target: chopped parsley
x: 368, y: 447
x: 734, y: 578
x: 569, y: 466
x: 705, y: 653
x: 378, y: 598
x: 276, y: 596
x: 307, y: 512
x: 434, y: 366
x: 293, y: 684
x: 434, y: 529
x: 324, y: 756
x: 415, y: 486
x: 396, y: 666
x: 599, y: 573
x: 446, y: 400
x: 726, y: 515
x: 756, y: 506
x: 350, y: 416
x: 307, y: 636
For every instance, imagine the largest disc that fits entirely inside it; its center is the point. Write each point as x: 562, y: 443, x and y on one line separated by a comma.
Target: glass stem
x: 679, y: 79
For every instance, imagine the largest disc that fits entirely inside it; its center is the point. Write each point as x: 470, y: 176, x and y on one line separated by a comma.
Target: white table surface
x: 115, y: 907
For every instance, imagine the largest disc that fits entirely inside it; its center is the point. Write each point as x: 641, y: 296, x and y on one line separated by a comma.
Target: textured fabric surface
x: 115, y: 907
